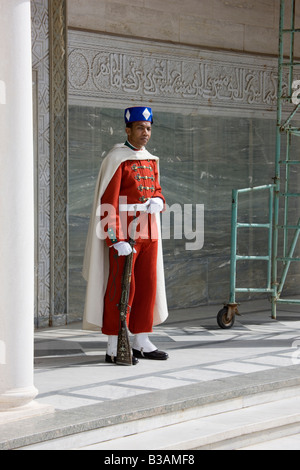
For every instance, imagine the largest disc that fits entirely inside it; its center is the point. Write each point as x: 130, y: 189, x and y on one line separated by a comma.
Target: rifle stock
x: 124, y: 352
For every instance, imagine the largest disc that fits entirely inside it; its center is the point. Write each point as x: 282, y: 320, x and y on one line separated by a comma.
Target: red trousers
x: 142, y: 293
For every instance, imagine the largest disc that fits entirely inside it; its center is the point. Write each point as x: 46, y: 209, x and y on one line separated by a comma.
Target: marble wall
x: 239, y: 25
x: 202, y: 159
x: 50, y: 124
x: 41, y: 66
x: 214, y: 130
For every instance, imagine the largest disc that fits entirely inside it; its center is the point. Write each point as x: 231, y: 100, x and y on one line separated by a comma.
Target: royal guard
x: 128, y: 188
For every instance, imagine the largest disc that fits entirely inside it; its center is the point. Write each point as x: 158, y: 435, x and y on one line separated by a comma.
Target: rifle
x: 124, y: 353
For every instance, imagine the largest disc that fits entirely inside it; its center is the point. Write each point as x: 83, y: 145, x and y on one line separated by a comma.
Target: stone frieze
x: 102, y: 68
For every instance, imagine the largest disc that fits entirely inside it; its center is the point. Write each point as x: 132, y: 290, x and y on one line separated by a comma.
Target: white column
x: 16, y: 207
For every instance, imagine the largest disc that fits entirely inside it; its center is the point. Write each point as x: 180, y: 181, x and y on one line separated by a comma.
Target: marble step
x: 203, y: 425
x: 95, y: 424
x: 228, y: 430
x: 281, y: 441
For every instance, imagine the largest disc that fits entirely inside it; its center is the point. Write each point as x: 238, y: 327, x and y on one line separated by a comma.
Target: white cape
x: 96, y: 260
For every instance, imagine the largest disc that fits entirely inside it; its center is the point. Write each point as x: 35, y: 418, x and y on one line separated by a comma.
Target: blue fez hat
x: 138, y: 114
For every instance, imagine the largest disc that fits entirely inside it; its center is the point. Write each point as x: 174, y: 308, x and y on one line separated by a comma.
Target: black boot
x: 154, y: 355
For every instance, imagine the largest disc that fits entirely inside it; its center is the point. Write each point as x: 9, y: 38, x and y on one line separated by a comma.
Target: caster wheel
x: 224, y: 321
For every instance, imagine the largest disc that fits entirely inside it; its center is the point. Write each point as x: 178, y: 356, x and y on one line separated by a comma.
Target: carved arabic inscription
x: 174, y: 79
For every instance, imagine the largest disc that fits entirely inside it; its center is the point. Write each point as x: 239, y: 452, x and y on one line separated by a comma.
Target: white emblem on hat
x: 146, y: 114
x: 128, y: 115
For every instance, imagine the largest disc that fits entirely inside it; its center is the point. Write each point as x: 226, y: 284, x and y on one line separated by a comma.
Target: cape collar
x: 128, y: 144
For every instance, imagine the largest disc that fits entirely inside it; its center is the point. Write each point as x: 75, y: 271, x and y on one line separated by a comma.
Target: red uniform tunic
x: 135, y: 182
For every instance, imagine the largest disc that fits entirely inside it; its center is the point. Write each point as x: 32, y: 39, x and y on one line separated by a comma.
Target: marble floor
x: 70, y: 371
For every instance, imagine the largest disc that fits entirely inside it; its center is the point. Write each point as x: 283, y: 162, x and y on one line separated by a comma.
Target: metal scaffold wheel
x: 226, y: 318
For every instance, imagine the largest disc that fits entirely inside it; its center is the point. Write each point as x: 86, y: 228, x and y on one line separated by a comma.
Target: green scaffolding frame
x: 286, y: 131
x: 280, y: 193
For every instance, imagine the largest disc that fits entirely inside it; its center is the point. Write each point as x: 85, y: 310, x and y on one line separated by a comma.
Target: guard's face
x: 140, y: 133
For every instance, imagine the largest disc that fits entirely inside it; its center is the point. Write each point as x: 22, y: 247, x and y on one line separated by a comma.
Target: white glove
x: 123, y: 248
x: 156, y: 205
